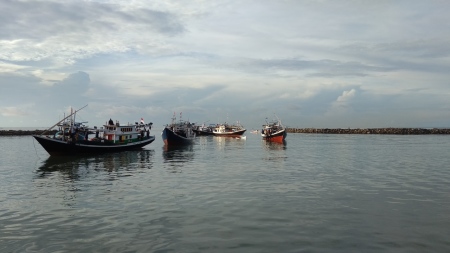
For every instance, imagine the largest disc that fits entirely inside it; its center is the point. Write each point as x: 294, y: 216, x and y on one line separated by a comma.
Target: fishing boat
x: 227, y: 130
x: 178, y: 133
x: 274, y: 131
x: 203, y: 129
x: 75, y: 137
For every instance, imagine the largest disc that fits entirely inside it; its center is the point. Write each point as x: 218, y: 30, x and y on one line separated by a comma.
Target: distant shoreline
x: 392, y: 131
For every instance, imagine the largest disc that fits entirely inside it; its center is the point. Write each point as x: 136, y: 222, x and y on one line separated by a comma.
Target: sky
x: 311, y: 63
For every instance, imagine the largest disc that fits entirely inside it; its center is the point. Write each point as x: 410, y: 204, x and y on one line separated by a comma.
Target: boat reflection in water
x: 275, y: 152
x: 230, y: 142
x: 70, y: 179
x: 177, y: 156
x: 270, y: 145
x: 75, y: 167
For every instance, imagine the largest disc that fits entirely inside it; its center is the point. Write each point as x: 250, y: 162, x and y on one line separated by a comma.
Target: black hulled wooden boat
x: 178, y: 133
x: 76, y: 138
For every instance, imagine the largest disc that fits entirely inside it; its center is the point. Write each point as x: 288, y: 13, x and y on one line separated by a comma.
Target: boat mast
x: 71, y: 121
x: 174, y: 119
x: 278, y: 119
x: 62, y: 120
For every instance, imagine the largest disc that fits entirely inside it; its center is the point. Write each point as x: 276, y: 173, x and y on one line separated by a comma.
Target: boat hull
x: 170, y: 138
x: 231, y: 134
x: 202, y: 133
x: 279, y: 136
x: 58, y: 147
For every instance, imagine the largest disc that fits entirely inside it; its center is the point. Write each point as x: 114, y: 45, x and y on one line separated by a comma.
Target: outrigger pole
x: 63, y: 120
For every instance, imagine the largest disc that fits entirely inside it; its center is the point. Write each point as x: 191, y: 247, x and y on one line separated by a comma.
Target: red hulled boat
x: 274, y: 131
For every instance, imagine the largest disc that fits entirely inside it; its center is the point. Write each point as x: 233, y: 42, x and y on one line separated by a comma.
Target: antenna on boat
x: 63, y: 120
x: 174, y: 118
x: 278, y: 119
x: 73, y: 119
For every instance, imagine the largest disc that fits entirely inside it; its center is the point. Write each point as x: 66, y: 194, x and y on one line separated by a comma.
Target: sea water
x: 315, y: 193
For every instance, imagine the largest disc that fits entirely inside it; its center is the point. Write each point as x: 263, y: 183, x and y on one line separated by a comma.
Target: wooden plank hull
x: 230, y: 134
x: 279, y: 136
x: 59, y: 147
x: 202, y: 133
x: 171, y: 138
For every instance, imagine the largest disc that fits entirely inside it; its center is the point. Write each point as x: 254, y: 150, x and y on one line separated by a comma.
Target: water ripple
x: 315, y: 193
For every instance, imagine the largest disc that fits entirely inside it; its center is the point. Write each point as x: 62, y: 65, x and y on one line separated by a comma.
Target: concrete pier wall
x: 398, y: 131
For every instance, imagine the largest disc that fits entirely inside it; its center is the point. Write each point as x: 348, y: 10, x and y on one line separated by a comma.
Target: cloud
x: 76, y: 81
x: 71, y: 30
x: 15, y: 111
x: 74, y: 17
x: 72, y: 90
x: 317, y: 63
x: 10, y: 68
x: 346, y: 96
x: 309, y: 68
x: 342, y: 106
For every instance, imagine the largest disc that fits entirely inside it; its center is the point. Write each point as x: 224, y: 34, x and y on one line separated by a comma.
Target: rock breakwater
x: 25, y: 132
x: 397, y: 131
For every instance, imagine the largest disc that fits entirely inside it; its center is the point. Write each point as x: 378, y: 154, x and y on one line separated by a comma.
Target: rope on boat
x: 39, y: 158
x: 36, y: 151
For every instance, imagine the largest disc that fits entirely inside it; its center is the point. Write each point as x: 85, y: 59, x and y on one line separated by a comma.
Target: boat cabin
x: 125, y: 133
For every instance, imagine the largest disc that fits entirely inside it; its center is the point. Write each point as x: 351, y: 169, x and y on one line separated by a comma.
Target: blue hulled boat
x: 178, y: 133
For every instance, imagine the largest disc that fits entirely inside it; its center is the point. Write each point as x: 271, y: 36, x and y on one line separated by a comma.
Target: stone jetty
x: 25, y: 132
x: 397, y: 131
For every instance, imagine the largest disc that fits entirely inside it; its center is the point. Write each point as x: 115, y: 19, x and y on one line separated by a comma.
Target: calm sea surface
x: 316, y: 193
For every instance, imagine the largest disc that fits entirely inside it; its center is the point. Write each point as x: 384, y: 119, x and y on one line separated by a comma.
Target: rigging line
x: 36, y: 150
x: 81, y: 119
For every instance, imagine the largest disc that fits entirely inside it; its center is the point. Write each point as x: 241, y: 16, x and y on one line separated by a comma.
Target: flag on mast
x: 142, y: 121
